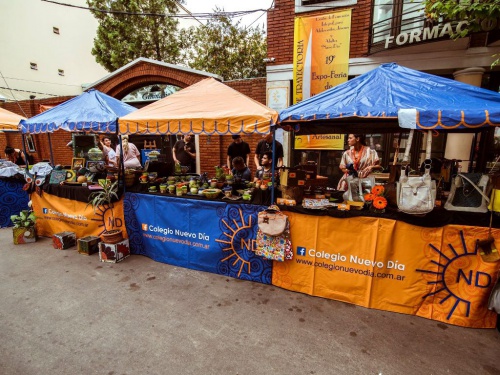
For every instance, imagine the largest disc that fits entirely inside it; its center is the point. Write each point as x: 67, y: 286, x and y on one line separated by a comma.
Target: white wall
x: 26, y: 35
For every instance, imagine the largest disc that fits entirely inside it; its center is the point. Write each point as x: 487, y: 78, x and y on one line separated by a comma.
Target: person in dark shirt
x: 238, y: 148
x: 266, y: 145
x: 184, y: 152
x: 15, y: 155
x: 240, y: 170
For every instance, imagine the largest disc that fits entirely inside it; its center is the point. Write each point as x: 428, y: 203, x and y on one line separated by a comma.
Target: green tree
x: 123, y: 35
x: 226, y: 49
x: 482, y: 15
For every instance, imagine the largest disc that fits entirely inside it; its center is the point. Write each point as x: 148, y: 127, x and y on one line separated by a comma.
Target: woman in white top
x: 130, y: 154
x: 359, y: 158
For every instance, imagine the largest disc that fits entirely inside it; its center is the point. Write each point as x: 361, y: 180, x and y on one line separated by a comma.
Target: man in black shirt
x: 184, y: 152
x: 266, y: 145
x: 238, y: 148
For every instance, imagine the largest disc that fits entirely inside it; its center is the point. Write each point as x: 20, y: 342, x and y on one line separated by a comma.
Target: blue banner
x: 211, y: 236
x: 13, y: 199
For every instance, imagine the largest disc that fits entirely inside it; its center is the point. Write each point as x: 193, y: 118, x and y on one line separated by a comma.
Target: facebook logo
x: 301, y: 250
x: 45, y: 210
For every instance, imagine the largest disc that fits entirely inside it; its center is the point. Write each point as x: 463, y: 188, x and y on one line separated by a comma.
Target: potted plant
x: 104, y: 197
x: 24, y: 227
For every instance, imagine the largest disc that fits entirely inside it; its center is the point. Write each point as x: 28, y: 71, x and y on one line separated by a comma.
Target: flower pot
x: 24, y: 235
x: 112, y: 236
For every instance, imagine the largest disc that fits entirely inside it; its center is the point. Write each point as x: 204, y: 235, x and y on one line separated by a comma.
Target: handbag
x: 416, y: 195
x: 494, y: 300
x: 272, y: 221
x: 273, y: 237
x: 357, y: 187
x: 469, y: 192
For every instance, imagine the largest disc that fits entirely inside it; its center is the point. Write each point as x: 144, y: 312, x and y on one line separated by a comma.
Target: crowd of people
x: 359, y: 159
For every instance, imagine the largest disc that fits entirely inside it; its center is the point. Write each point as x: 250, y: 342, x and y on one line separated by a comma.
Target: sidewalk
x: 69, y: 314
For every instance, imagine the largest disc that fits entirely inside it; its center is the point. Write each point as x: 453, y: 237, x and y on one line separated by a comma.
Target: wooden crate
x: 88, y: 245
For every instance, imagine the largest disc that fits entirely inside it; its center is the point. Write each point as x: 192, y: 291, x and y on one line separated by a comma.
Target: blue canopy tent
x: 91, y: 111
x: 391, y: 93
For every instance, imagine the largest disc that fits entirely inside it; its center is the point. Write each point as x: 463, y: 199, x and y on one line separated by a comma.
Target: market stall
x: 193, y: 231
x: 429, y: 266
x: 13, y: 199
x: 63, y: 204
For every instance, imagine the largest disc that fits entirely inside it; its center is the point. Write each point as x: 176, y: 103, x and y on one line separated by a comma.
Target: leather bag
x: 416, y: 195
x: 358, y: 187
x: 469, y: 192
x: 272, y: 221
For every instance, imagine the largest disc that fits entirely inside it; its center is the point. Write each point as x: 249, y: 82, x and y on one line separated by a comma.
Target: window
x: 61, y: 72
x: 55, y: 30
x: 34, y: 66
x: 391, y: 18
x: 302, y: 6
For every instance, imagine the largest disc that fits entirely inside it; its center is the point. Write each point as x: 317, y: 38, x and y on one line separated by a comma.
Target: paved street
x: 65, y: 313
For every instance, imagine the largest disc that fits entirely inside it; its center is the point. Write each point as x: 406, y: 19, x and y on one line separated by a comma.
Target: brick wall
x: 30, y: 108
x: 280, y: 23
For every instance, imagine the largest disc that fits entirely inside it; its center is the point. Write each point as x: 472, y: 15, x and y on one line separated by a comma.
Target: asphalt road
x: 66, y: 313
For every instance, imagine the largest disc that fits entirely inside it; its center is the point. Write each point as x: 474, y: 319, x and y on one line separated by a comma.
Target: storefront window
x: 391, y: 18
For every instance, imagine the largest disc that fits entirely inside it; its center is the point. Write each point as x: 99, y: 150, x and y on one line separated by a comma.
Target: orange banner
x: 436, y: 273
x: 55, y: 214
x: 321, y: 53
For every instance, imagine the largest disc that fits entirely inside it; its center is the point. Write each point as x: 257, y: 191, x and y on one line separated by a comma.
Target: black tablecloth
x: 73, y: 192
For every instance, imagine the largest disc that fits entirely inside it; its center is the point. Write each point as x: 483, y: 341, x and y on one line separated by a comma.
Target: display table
x: 13, y: 199
x: 376, y: 262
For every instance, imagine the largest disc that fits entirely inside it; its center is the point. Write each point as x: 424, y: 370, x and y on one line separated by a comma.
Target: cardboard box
x: 64, y: 240
x: 114, y: 253
x: 292, y: 177
x: 88, y: 245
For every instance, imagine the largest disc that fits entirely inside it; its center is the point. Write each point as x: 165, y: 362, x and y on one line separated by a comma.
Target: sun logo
x: 106, y: 218
x: 457, y: 278
x: 239, y: 241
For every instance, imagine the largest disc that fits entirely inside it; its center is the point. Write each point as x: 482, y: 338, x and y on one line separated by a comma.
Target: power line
x: 205, y: 16
x: 33, y: 92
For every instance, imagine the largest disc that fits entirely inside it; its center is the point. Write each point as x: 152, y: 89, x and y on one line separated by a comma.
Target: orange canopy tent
x: 9, y: 120
x: 207, y: 107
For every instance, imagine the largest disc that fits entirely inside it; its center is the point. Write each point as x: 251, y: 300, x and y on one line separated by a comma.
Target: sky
x: 207, y: 6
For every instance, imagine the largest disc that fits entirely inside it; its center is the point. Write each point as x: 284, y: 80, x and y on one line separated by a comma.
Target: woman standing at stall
x: 359, y: 160
x: 108, y: 151
x: 15, y: 155
x: 130, y: 154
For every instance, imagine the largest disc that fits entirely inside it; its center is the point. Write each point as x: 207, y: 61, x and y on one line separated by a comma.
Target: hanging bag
x: 416, y: 195
x: 273, y: 236
x: 272, y: 221
x: 469, y: 192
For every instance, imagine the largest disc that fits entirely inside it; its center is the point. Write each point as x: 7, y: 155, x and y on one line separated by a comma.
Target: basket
x: 130, y: 179
x: 292, y: 192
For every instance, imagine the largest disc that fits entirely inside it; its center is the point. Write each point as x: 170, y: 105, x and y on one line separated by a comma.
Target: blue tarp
x: 91, y: 111
x: 419, y: 100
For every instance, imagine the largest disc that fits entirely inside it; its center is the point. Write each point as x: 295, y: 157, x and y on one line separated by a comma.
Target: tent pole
x: 51, y: 152
x: 273, y: 130
x: 121, y: 167
x: 23, y: 139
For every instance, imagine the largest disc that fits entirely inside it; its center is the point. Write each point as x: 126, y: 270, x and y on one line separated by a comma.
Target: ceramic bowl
x: 211, y: 193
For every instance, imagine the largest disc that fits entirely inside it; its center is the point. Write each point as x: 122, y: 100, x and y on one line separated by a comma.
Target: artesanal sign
x: 319, y: 142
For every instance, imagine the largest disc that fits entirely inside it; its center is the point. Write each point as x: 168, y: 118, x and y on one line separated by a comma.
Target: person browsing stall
x: 238, y: 148
x: 130, y: 154
x: 359, y: 160
x: 240, y: 170
x: 266, y: 145
x: 266, y: 163
x: 108, y: 151
x: 15, y: 155
x: 184, y: 152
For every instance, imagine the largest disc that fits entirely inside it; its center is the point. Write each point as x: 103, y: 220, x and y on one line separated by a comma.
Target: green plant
x: 104, y: 197
x: 25, y: 219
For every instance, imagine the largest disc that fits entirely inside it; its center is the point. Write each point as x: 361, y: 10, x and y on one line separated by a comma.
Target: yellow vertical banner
x: 321, y: 53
